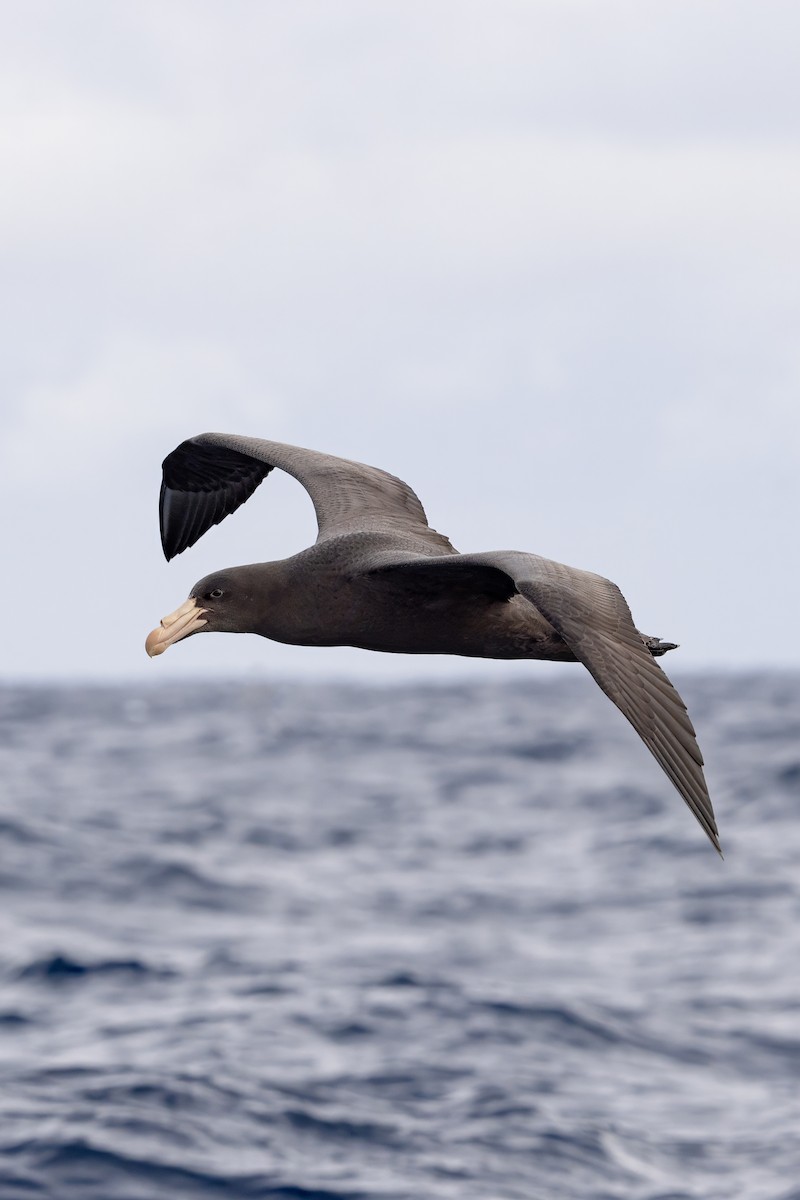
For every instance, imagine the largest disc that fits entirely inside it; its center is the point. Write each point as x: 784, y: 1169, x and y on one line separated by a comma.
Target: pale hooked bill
x: 185, y: 620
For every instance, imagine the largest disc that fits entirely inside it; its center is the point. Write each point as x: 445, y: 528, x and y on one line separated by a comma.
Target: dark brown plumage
x: 379, y: 577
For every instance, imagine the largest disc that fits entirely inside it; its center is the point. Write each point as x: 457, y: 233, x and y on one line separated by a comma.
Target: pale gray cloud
x: 538, y: 258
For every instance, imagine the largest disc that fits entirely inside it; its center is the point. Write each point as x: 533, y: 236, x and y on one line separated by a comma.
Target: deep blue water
x: 457, y: 942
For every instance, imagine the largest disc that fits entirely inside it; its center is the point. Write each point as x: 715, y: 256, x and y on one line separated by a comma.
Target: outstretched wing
x: 591, y: 615
x: 207, y: 477
x: 593, y: 618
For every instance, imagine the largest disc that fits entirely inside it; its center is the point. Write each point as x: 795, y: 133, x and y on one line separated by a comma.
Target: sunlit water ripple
x: 458, y: 942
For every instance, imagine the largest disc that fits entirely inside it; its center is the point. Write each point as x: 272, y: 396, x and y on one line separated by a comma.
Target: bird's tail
x: 657, y: 647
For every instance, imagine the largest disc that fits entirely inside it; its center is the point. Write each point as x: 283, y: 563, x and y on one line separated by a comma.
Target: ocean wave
x: 72, y: 1168
x: 56, y: 968
x: 322, y: 943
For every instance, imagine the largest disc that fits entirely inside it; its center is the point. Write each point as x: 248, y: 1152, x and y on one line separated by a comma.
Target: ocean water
x: 454, y: 942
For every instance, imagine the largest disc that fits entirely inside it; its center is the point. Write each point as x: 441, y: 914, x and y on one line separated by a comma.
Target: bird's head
x: 217, y: 604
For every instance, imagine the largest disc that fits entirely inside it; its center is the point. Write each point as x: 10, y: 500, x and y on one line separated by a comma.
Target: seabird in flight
x: 380, y: 578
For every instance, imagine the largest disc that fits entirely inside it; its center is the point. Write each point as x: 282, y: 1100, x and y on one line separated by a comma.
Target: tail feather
x: 657, y: 647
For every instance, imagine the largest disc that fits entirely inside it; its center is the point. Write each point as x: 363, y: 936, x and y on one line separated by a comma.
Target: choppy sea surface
x: 458, y: 942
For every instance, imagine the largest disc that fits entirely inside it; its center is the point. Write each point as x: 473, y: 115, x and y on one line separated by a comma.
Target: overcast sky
x: 540, y: 259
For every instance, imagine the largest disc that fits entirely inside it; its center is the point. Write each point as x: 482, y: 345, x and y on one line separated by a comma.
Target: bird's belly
x: 506, y: 630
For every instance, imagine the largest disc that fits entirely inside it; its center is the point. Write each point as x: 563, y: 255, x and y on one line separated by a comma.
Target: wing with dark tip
x: 207, y: 477
x: 201, y: 486
x: 591, y: 615
x: 593, y: 618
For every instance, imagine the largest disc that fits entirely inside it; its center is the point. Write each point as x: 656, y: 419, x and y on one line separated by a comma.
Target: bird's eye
x: 215, y: 595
